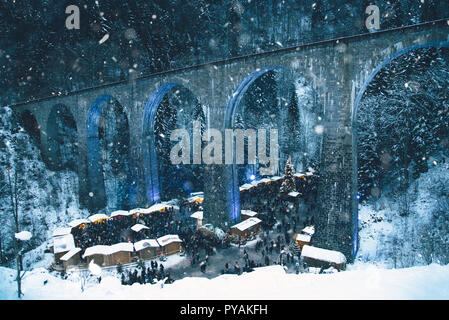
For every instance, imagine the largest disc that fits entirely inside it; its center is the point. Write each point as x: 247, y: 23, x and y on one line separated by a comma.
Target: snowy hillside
x: 419, y: 238
x: 363, y: 281
x: 46, y: 199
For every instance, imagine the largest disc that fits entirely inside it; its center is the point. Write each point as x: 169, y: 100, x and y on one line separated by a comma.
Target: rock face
x: 47, y: 199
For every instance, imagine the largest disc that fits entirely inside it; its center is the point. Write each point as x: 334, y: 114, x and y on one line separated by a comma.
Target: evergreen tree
x: 288, y: 185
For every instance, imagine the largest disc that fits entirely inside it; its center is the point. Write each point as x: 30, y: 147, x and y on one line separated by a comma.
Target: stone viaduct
x: 339, y: 71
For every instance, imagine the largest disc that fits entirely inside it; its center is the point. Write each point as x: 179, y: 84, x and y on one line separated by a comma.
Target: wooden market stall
x: 323, y: 258
x: 61, y: 245
x: 79, y: 223
x: 310, y: 230
x: 72, y: 258
x: 198, y: 215
x: 247, y: 227
x: 170, y: 244
x: 246, y: 214
x: 302, y: 239
x: 139, y: 227
x: 147, y: 249
x: 120, y: 253
x: 97, y: 218
x: 158, y: 207
x: 98, y: 254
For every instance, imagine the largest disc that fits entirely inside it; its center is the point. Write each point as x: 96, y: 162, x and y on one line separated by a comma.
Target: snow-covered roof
x: 135, y: 210
x: 303, y: 237
x: 299, y: 175
x: 122, y: 246
x: 98, y: 216
x: 294, y: 194
x: 120, y: 213
x: 248, y: 223
x: 99, y: 249
x: 246, y: 186
x: 142, y: 244
x: 138, y: 227
x: 195, y: 199
x: 61, y: 231
x: 77, y: 222
x: 275, y: 178
x: 249, y: 213
x: 154, y: 208
x: 197, y: 215
x: 310, y: 230
x: 167, y: 239
x: 264, y: 180
x: 63, y: 243
x: 70, y: 254
x: 330, y: 256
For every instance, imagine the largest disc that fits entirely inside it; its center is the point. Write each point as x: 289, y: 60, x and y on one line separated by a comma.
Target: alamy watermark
x: 189, y: 150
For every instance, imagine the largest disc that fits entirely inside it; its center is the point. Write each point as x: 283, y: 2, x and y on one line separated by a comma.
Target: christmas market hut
x: 302, y: 239
x: 147, y: 249
x: 79, y: 223
x: 246, y: 214
x: 98, y: 254
x: 61, y: 232
x: 247, y: 227
x: 198, y: 215
x: 158, y: 207
x: 310, y: 230
x: 98, y: 218
x: 61, y: 245
x: 322, y: 258
x: 170, y: 244
x: 120, y: 253
x: 139, y: 227
x: 71, y: 259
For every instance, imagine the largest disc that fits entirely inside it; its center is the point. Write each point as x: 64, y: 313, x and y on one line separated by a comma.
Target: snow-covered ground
x: 361, y: 281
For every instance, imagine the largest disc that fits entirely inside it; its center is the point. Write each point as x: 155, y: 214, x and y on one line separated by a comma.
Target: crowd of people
x: 118, y: 229
x: 280, y: 220
x: 155, y: 273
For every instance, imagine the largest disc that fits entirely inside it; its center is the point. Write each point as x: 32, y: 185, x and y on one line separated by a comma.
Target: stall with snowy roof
x: 79, y: 223
x: 244, y: 229
x: 310, y: 230
x: 322, y: 258
x: 98, y: 254
x: 121, y: 253
x: 170, y: 244
x: 246, y: 214
x: 302, y: 239
x: 61, y: 245
x: 198, y: 215
x: 71, y: 259
x: 98, y: 218
x: 147, y: 249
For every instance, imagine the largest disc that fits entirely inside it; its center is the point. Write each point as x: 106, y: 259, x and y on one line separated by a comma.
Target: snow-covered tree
x: 288, y: 184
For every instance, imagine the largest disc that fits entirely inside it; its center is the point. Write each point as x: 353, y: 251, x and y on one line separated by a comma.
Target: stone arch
x: 281, y: 75
x: 30, y: 124
x: 354, y: 123
x: 108, y: 157
x: 154, y: 189
x: 62, y: 139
